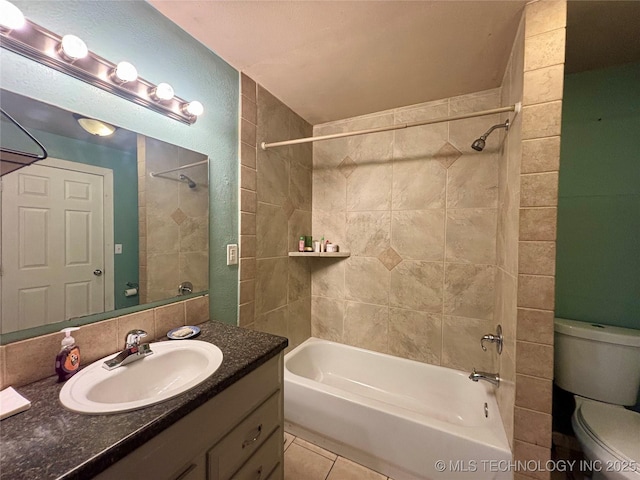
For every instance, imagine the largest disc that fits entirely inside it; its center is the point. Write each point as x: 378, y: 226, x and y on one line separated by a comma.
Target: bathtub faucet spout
x: 492, y: 378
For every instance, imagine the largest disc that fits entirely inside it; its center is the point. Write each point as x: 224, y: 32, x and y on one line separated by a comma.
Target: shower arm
x: 504, y: 125
x: 155, y: 174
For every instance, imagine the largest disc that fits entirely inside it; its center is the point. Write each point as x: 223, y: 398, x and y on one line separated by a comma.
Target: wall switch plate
x: 118, y: 249
x: 232, y: 254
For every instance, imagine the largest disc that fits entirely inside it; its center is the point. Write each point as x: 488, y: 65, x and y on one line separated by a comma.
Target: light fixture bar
x: 39, y: 44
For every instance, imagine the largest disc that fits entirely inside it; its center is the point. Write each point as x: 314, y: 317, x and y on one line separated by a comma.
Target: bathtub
x: 396, y: 416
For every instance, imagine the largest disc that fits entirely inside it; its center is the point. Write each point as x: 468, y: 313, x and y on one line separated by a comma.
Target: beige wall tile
x: 368, y: 233
x: 143, y: 320
x: 534, y: 393
x: 523, y: 451
x: 248, y: 87
x: 329, y: 190
x: 506, y: 394
x: 246, y: 314
x: 299, y: 279
x: 417, y: 285
x: 299, y: 225
x: 32, y: 359
x: 271, y: 231
x: 472, y: 183
x: 274, y: 322
x: 271, y: 284
x: 196, y: 310
x: 247, y: 246
x: 366, y: 326
x: 471, y: 235
x: 161, y: 274
x: 506, y: 306
x: 369, y: 188
x: 534, y: 359
x: 533, y: 427
x: 273, y: 177
x: 299, y: 322
x: 98, y: 340
x: 247, y: 291
x: 544, y: 16
x: 327, y: 278
x: 248, y: 201
x: 462, y: 133
x: 300, y: 182
x: 469, y: 290
x: 415, y: 335
x: 247, y: 268
x: 249, y: 110
x: 537, y: 258
x: 247, y: 132
x: 247, y: 223
x: 544, y: 50
x: 541, y: 155
x: 419, y: 142
x: 461, y: 344
x: 538, y: 224
x: 248, y: 155
x: 418, y: 184
x: 366, y: 280
x: 536, y: 291
x: 543, y: 85
x: 539, y: 190
x: 331, y: 226
x: 535, y: 325
x: 327, y: 318
x: 168, y: 317
x: 248, y: 178
x: 194, y: 266
x: 418, y: 234
x: 542, y: 120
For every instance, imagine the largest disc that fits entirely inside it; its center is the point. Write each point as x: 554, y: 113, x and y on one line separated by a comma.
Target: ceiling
x: 329, y: 60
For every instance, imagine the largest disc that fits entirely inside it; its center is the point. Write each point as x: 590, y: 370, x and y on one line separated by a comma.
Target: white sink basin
x: 174, y: 368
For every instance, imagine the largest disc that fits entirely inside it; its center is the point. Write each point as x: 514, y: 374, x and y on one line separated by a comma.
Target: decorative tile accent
x: 178, y: 216
x: 347, y: 166
x: 390, y: 258
x: 448, y: 154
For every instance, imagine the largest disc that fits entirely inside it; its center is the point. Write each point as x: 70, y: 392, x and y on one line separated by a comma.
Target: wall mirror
x: 104, y: 223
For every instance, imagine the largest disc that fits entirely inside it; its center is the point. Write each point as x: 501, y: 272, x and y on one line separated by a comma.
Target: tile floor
x: 305, y: 461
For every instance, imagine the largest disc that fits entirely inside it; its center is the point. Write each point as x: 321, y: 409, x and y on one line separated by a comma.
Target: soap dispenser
x: 68, y: 360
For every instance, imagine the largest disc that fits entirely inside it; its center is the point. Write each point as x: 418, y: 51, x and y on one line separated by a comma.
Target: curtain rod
x: 153, y: 174
x: 512, y: 108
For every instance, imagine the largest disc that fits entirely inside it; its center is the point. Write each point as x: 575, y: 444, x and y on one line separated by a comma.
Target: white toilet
x: 601, y: 365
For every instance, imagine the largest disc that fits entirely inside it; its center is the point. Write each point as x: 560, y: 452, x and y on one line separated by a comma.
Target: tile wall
x: 275, y: 210
x: 544, y: 43
x: 29, y: 360
x: 174, y: 221
x: 418, y: 210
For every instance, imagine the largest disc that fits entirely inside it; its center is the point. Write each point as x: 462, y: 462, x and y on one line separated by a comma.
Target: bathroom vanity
x: 230, y: 426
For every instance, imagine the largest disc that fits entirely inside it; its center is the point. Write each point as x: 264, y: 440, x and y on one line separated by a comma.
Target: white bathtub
x: 396, y: 416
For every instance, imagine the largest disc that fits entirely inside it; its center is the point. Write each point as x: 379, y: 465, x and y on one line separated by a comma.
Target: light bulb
x: 73, y: 48
x: 163, y: 91
x: 10, y: 16
x: 194, y: 108
x: 125, y: 72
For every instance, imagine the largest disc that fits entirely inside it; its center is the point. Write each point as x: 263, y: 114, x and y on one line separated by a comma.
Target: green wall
x: 598, y: 248
x: 162, y: 52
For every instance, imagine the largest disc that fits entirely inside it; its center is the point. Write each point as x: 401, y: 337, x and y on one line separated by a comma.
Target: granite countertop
x: 50, y: 442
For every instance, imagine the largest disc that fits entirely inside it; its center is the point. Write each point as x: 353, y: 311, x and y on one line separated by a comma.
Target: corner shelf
x: 321, y: 254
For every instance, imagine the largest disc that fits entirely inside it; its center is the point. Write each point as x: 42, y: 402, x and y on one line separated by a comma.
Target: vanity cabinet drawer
x: 239, y: 444
x: 264, y: 461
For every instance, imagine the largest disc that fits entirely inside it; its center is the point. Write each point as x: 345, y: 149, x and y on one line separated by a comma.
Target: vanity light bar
x: 39, y: 44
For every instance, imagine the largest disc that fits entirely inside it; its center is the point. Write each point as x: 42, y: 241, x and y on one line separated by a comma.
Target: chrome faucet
x: 132, y: 351
x: 492, y: 378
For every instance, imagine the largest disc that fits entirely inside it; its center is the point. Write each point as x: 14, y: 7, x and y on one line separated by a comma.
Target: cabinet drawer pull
x: 188, y: 470
x: 249, y: 441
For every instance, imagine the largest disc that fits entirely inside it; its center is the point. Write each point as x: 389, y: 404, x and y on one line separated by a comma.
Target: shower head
x: 479, y: 143
x: 190, y: 182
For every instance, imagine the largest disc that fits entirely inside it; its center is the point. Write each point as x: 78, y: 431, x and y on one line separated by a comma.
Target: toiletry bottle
x: 68, y: 360
x: 301, y: 244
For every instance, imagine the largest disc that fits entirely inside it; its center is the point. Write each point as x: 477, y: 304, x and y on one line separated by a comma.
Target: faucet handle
x: 497, y: 339
x: 133, y: 337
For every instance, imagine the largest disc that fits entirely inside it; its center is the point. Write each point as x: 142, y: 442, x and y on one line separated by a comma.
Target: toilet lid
x: 614, y: 427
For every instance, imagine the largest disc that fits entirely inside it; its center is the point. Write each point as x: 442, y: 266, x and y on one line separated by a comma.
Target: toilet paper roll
x: 130, y: 292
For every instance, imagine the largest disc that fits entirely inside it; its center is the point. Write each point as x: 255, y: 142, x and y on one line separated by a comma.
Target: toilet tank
x: 597, y: 361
